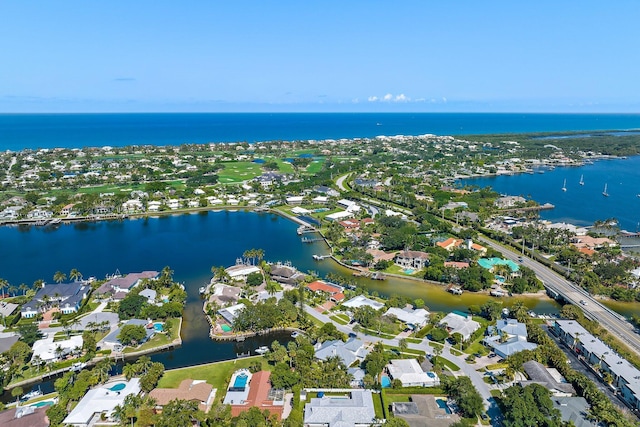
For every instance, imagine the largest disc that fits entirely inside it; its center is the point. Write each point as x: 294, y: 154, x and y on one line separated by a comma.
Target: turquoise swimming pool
x: 385, y: 381
x: 43, y: 403
x: 240, y: 381
x: 443, y: 405
x: 409, y: 271
x: 118, y: 387
x: 226, y: 328
x: 159, y: 327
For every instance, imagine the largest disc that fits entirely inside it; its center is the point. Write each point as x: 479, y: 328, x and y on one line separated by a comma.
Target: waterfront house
x: 198, y: 391
x: 509, y: 201
x: 68, y: 296
x: 294, y: 200
x: 410, y: 374
x: 230, y: 313
x: 460, y: 323
x: 350, y: 351
x: 416, y: 260
x: 125, y: 283
x: 25, y: 416
x: 248, y: 390
x: 286, y: 274
x: 338, y: 216
x: 240, y: 272
x: 112, y: 340
x: 508, y: 337
x: 150, y: 295
x: 354, y: 409
x: 99, y: 403
x: 48, y: 351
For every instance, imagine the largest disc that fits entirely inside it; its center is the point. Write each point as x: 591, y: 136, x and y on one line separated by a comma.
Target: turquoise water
x: 158, y: 327
x: 385, y: 381
x: 226, y: 328
x: 409, y: 271
x: 118, y: 387
x: 240, y: 381
x: 43, y: 403
x: 19, y: 131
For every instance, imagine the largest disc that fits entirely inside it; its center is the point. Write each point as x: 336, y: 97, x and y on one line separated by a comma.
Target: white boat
x: 604, y: 193
x: 202, y: 290
x: 564, y: 185
x: 581, y: 180
x: 33, y: 393
x: 262, y: 349
x: 78, y: 366
x: 295, y: 334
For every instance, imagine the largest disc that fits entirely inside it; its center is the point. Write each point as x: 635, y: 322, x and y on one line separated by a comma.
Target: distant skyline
x: 329, y: 56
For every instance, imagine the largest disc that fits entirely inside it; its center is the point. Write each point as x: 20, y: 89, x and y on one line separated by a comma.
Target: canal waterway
x: 191, y: 244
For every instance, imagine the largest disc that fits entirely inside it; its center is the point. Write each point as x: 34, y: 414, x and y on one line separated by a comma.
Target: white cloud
x: 401, y: 98
x: 444, y: 99
x: 372, y: 98
x: 387, y: 97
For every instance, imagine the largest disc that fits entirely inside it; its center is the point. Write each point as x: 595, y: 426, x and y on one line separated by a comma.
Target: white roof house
x: 46, y: 348
x: 463, y: 325
x: 350, y: 351
x: 352, y: 411
x: 410, y: 374
x: 339, y: 216
x: 300, y: 211
x: 101, y: 400
x: 413, y: 318
x: 241, y: 271
x: 294, y: 200
x: 361, y: 301
x: 508, y: 337
x: 230, y: 313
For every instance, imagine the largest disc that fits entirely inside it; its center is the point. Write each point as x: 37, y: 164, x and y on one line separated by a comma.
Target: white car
x: 583, y: 302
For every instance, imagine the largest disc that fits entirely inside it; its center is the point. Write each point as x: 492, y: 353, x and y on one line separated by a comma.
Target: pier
x: 320, y: 257
x: 305, y: 229
x: 311, y: 239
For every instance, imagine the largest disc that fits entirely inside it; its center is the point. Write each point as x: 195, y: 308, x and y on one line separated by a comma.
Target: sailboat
x: 604, y: 193
x: 564, y: 185
x: 581, y: 180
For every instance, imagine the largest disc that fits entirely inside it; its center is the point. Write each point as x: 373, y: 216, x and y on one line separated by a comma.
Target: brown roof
x: 37, y: 418
x: 259, y: 388
x: 187, y: 390
x: 319, y: 285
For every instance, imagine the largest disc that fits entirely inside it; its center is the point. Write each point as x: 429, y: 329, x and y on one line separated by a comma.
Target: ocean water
x: 19, y: 131
x: 580, y: 204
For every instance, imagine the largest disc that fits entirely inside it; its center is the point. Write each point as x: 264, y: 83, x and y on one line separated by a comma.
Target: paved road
x: 616, y: 324
x: 340, y: 182
x: 490, y: 405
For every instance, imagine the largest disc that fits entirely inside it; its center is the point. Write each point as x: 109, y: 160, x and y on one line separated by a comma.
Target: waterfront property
x: 626, y: 377
x: 7, y: 339
x: 508, y: 337
x: 68, y: 296
x: 240, y: 271
x: 24, y: 416
x: 490, y: 263
x: 230, y: 313
x: 112, y: 340
x: 256, y: 392
x: 460, y: 323
x: 7, y: 308
x: 100, y: 402
x: 124, y: 284
x: 575, y: 410
x: 192, y: 390
x: 49, y: 350
x: 334, y: 291
x: 353, y: 409
x: 410, y: 374
x: 286, y: 274
x: 416, y: 260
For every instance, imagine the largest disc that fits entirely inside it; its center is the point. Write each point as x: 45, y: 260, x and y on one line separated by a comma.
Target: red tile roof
x: 259, y: 388
x: 319, y: 285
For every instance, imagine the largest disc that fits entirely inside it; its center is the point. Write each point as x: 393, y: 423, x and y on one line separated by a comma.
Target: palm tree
x: 403, y: 345
x: 247, y: 255
x: 3, y: 285
x: 75, y: 275
x: 259, y: 254
x: 220, y: 273
x: 37, y: 361
x: 12, y: 290
x: 24, y: 288
x: 59, y: 277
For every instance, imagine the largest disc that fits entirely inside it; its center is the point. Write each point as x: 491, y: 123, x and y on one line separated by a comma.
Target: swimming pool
x: 226, y: 328
x: 443, y: 405
x: 385, y: 381
x: 43, y: 403
x: 240, y: 381
x: 118, y: 387
x: 159, y: 327
x: 409, y: 271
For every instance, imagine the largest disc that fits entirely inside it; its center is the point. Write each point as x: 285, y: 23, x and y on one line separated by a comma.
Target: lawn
x: 377, y: 405
x: 315, y: 167
x: 452, y: 366
x: 235, y: 172
x: 342, y: 319
x: 217, y: 374
x: 158, y: 339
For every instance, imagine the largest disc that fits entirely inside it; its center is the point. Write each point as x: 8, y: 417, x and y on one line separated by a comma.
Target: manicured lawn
x: 340, y: 318
x: 377, y: 405
x: 158, y: 339
x: 235, y: 172
x: 217, y: 374
x: 414, y: 340
x: 476, y: 347
x: 452, y: 366
x: 315, y: 166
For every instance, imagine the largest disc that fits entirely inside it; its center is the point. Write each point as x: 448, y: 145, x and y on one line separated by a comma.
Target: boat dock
x: 311, y: 239
x: 305, y: 229
x: 456, y: 290
x: 320, y: 257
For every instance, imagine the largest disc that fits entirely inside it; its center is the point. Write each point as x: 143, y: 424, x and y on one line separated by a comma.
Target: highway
x: 613, y: 322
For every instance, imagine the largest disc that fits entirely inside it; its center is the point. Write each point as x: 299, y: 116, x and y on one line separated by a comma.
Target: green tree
x: 254, y: 279
x: 59, y: 277
x: 131, y: 306
x: 29, y: 333
x: 179, y: 413
x: 131, y: 334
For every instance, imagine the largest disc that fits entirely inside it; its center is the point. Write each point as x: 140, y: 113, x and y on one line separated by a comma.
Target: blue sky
x: 440, y: 56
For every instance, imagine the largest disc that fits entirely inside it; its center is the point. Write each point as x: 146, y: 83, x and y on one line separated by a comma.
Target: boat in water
x: 262, y: 349
x: 581, y: 180
x: 33, y: 393
x: 604, y: 193
x: 564, y: 185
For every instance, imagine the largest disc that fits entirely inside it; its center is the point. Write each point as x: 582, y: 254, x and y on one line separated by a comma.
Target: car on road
x: 520, y: 259
x: 583, y: 302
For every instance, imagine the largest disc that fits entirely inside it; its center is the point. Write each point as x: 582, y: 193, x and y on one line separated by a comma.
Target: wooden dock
x: 311, y: 239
